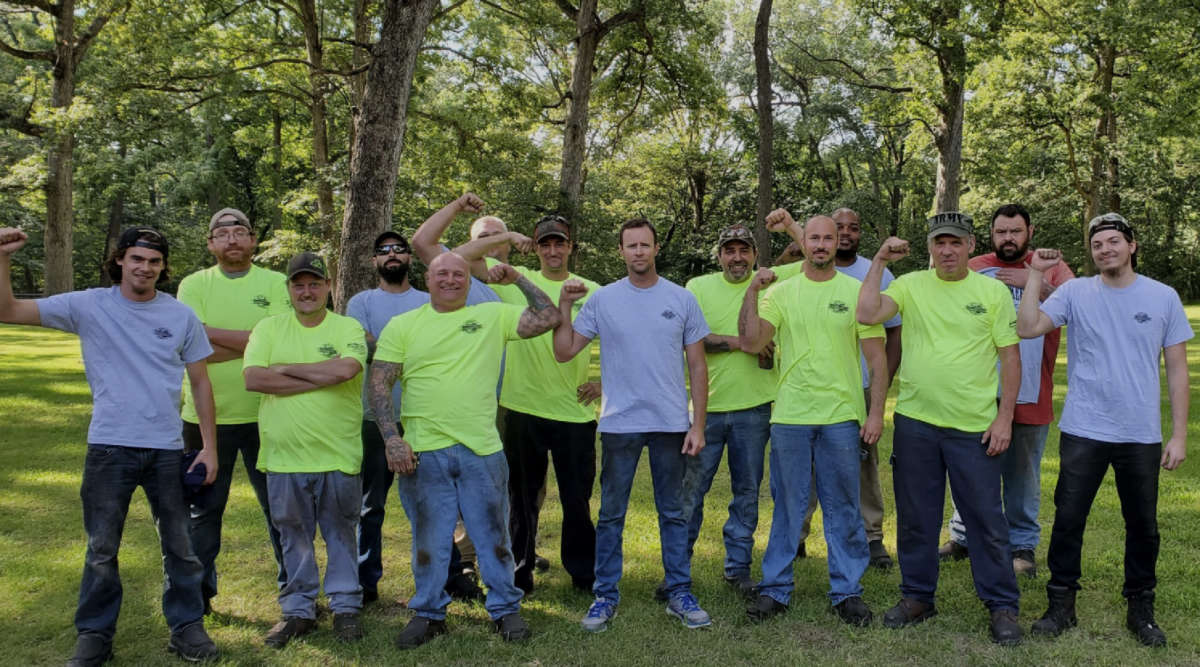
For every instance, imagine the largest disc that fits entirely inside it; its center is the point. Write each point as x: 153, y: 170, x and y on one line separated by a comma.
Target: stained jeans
x: 448, y: 482
x: 618, y: 464
x: 301, y: 501
x: 828, y: 453
x: 1083, y: 464
x: 922, y: 456
x: 110, y: 475
x: 1021, y: 478
x: 743, y: 433
x: 205, y: 527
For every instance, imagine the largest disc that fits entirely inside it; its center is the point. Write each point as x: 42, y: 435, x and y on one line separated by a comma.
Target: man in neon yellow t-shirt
x: 307, y: 363
x: 448, y: 357
x: 741, y: 387
x: 820, y: 414
x: 230, y: 298
x: 957, y: 325
x: 549, y: 414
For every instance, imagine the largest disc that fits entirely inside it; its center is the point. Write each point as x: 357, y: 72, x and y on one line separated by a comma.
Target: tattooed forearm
x: 541, y: 315
x: 715, y: 343
x: 748, y: 323
x: 379, y: 393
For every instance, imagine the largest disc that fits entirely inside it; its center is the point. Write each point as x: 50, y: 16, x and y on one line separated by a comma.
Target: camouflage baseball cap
x: 307, y: 262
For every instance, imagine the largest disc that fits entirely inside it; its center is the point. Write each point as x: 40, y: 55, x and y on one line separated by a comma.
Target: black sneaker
x: 370, y: 595
x: 908, y: 612
x: 879, y: 555
x: 854, y: 611
x: 347, y: 628
x: 418, y: 631
x: 512, y: 627
x: 287, y: 630
x: 660, y: 592
x: 764, y: 607
x: 463, y: 587
x: 743, y: 584
x: 192, y: 643
x: 952, y: 550
x: 1005, y: 629
x: 90, y: 649
x: 540, y: 563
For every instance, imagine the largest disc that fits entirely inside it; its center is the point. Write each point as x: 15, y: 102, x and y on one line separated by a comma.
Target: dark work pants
x: 1083, y: 464
x: 529, y: 441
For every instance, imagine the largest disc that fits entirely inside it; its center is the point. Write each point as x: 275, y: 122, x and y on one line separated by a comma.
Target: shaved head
x: 820, y: 220
x: 820, y: 241
x: 487, y: 226
x: 448, y: 280
x: 449, y: 260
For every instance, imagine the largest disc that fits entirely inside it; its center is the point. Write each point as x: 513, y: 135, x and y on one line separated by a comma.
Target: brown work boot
x: 908, y: 612
x: 951, y: 550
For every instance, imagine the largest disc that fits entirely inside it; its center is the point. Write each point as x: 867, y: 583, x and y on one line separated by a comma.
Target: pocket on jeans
x: 100, y: 451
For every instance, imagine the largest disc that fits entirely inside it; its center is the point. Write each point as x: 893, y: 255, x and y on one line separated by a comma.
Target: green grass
x: 45, y: 406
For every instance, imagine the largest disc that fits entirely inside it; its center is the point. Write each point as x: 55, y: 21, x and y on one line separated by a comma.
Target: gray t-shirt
x: 858, y: 270
x: 642, y: 334
x: 373, y: 309
x: 134, y: 354
x: 1115, y: 338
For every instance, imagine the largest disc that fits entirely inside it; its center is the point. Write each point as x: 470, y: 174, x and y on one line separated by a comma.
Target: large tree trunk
x: 588, y: 31
x: 952, y: 61
x: 766, y: 132
x: 319, y: 85
x: 378, y: 141
x: 59, y: 188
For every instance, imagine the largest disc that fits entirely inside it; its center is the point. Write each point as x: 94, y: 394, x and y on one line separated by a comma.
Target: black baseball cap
x: 307, y: 262
x: 1109, y: 221
x: 389, y: 234
x: 143, y: 237
x: 552, y: 225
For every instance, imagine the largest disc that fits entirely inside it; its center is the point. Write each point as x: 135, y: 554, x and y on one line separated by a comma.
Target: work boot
x: 418, y: 631
x: 1060, y: 615
x: 1005, y: 629
x: 1140, y: 620
x: 908, y: 612
x: 879, y: 555
x: 951, y: 550
x: 1024, y: 563
x: 91, y: 650
x: 347, y: 627
x: 192, y: 643
x: 854, y: 611
x: 287, y: 630
x: 764, y: 607
x: 512, y: 627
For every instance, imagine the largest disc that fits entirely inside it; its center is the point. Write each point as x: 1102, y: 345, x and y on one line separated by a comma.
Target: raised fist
x: 1044, y: 258
x: 779, y: 220
x: 572, y: 291
x: 763, y: 278
x: 470, y: 202
x: 892, y: 249
x: 11, y: 240
x: 502, y: 274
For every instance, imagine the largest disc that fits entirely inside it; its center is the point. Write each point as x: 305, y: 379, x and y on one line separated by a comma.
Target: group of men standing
x: 800, y: 355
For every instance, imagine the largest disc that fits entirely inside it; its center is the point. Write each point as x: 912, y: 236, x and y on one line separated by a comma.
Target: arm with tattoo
x: 541, y: 315
x: 718, y: 343
x: 383, y: 377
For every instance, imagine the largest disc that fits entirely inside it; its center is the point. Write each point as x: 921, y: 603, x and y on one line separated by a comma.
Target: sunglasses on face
x: 398, y: 248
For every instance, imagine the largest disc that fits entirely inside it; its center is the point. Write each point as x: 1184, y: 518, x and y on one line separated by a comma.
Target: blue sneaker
x: 599, y: 614
x: 685, y: 607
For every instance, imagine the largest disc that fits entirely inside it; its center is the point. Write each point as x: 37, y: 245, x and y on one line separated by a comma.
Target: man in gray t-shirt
x: 1119, y: 325
x: 643, y: 322
x: 136, y: 344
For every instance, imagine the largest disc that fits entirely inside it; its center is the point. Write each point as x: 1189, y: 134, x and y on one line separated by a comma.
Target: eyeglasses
x: 398, y: 248
x: 239, y: 234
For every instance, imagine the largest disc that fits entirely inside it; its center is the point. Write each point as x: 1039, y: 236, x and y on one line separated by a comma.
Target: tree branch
x: 567, y: 8
x: 48, y: 56
x: 85, y: 40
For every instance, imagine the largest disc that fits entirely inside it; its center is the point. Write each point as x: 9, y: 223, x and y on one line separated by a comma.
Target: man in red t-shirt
x: 1021, y: 476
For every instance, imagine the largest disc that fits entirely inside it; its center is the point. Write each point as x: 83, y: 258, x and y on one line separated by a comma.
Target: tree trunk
x: 317, y: 80
x: 360, y: 57
x: 378, y: 141
x: 766, y: 132
x: 59, y: 188
x: 116, y: 219
x: 952, y: 61
x: 588, y: 31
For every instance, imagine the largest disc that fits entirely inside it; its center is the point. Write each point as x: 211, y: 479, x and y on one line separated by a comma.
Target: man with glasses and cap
x: 136, y: 343
x: 1121, y: 323
x: 741, y: 386
x: 549, y: 415
x: 957, y: 325
x: 373, y: 309
x: 306, y: 362
x: 230, y: 298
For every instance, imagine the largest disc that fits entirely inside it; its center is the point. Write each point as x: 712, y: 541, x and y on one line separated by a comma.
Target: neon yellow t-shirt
x: 735, y: 382
x: 534, y: 382
x: 319, y: 430
x: 785, y: 271
x: 451, y: 366
x: 238, y: 304
x: 817, y: 335
x: 948, y: 354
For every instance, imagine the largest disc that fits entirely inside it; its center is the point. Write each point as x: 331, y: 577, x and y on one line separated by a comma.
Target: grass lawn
x: 45, y: 407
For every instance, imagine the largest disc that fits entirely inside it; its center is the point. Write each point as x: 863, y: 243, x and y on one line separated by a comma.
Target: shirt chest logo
x: 262, y: 301
x: 1141, y: 318
x: 839, y: 307
x: 328, y: 351
x: 471, y: 326
x: 163, y: 333
x: 976, y: 308
x: 668, y: 314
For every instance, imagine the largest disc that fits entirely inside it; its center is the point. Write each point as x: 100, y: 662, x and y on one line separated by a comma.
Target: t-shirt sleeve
x: 355, y: 342
x: 195, y: 340
x: 61, y: 311
x: 1061, y: 274
x: 258, y: 348
x: 1178, y: 328
x: 191, y: 295
x: 898, y: 291
x: 357, y: 308
x: 870, y: 331
x: 1058, y: 306
x: 585, y: 323
x: 768, y: 307
x: 510, y: 319
x: 391, y: 346
x: 695, y: 327
x: 1004, y: 324
x: 888, y: 278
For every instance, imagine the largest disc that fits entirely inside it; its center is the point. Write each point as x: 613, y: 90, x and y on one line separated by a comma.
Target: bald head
x: 448, y: 280
x: 849, y: 233
x: 820, y: 241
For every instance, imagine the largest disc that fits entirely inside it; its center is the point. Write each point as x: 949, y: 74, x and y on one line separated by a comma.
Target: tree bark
x: 378, y: 141
x: 570, y: 187
x: 766, y: 132
x: 952, y: 63
x: 60, y: 203
x: 318, y: 84
x: 116, y: 219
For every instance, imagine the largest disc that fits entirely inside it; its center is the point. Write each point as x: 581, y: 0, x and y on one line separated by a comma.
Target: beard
x: 846, y: 255
x: 1007, y: 253
x: 394, y: 274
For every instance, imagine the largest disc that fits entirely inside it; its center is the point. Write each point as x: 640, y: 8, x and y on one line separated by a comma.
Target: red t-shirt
x: 1041, y: 412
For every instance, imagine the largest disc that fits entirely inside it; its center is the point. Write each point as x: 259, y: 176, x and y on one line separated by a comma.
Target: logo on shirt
x: 976, y: 308
x: 471, y: 326
x: 328, y: 351
x: 668, y: 315
x: 357, y: 347
x: 838, y: 307
x: 164, y: 333
x: 262, y: 301
x: 1142, y: 318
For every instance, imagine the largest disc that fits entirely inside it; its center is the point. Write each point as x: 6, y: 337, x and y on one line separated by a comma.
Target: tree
x: 766, y: 128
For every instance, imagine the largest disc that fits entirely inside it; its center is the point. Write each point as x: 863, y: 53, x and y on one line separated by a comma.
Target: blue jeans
x: 449, y: 482
x: 618, y: 463
x: 207, y: 517
x: 829, y: 454
x: 1021, y: 478
x: 744, y: 434
x: 922, y: 456
x: 301, y: 501
x: 110, y: 475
